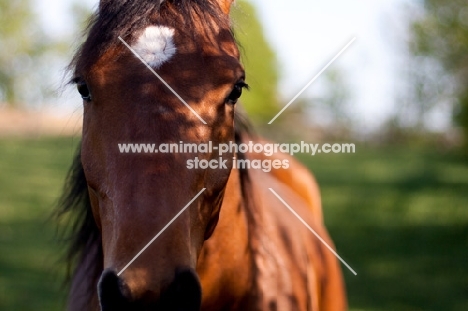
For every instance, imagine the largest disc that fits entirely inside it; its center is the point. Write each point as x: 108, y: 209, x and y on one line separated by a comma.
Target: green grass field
x: 398, y: 217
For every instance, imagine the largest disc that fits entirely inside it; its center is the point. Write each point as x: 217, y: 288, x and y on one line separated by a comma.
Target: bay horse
x: 236, y: 246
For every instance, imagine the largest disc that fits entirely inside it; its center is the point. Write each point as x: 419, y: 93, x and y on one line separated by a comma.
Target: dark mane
x: 123, y: 18
x: 75, y: 200
x: 80, y: 232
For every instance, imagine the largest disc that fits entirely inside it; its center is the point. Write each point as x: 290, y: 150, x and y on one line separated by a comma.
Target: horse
x: 169, y: 72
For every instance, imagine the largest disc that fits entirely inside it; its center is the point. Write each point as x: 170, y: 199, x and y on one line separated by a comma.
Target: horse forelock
x: 125, y: 18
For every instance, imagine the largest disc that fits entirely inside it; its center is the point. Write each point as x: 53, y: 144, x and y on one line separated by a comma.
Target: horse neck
x: 225, y: 264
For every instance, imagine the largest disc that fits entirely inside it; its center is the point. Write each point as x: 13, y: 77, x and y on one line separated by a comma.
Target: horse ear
x: 225, y: 5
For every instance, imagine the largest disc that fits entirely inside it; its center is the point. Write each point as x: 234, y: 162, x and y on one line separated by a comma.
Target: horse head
x: 153, y: 73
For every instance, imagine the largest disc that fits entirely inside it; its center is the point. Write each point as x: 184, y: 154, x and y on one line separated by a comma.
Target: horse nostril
x: 185, y: 291
x: 183, y: 294
x: 113, y: 294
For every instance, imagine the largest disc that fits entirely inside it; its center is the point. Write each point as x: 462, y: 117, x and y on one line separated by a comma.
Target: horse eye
x: 236, y: 92
x: 84, y: 91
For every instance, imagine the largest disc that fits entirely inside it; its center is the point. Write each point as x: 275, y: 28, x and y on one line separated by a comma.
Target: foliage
x: 441, y: 34
x: 331, y: 109
x: 23, y: 54
x: 261, y: 102
x: 31, y: 59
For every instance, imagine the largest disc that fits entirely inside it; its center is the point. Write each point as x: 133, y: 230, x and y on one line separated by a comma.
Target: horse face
x: 135, y: 195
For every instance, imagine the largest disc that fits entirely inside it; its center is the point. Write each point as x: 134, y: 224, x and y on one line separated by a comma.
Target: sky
x: 306, y: 35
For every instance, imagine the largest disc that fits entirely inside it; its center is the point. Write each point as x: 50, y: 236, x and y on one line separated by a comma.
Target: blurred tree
x: 30, y: 58
x: 22, y: 41
x: 330, y: 111
x: 336, y: 98
x: 261, y: 102
x: 441, y: 34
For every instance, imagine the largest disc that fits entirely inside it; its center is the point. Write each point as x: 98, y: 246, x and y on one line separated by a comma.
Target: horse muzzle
x: 183, y: 294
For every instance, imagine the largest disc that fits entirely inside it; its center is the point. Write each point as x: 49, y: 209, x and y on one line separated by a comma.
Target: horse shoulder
x: 299, y: 272
x: 298, y: 178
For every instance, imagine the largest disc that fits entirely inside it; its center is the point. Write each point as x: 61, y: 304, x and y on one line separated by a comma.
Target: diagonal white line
x: 162, y: 80
x: 312, y: 230
x: 160, y: 232
x: 312, y: 81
